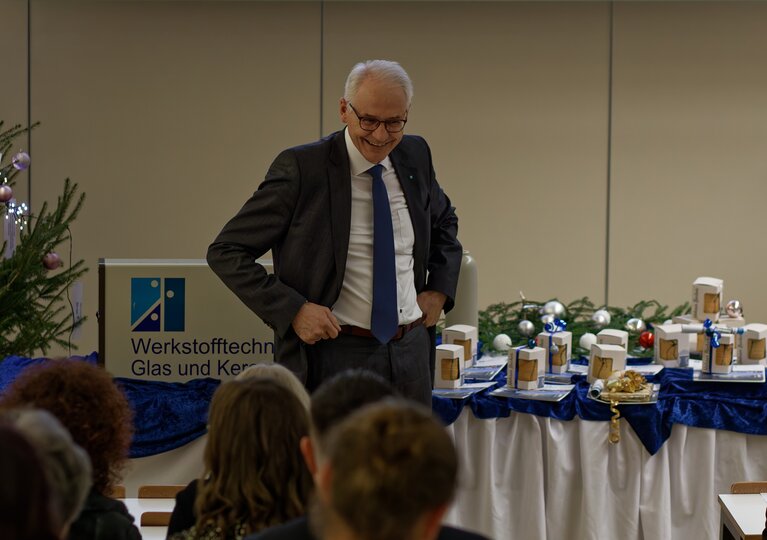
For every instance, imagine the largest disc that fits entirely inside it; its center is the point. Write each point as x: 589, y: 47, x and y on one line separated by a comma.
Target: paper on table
x: 764, y: 496
x: 549, y: 392
x: 464, y: 391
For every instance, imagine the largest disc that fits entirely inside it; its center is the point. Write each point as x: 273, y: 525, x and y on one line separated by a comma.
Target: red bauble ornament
x: 646, y: 340
x: 52, y: 261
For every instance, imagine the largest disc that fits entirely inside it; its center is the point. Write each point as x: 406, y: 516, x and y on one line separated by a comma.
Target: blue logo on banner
x: 150, y: 297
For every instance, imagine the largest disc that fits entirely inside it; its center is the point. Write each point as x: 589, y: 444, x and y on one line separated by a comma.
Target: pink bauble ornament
x: 52, y: 261
x: 646, y: 340
x: 6, y: 193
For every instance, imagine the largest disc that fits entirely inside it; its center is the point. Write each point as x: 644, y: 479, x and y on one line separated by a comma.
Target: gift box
x: 695, y: 341
x: 466, y: 336
x: 449, y: 366
x: 558, y: 347
x: 753, y: 344
x: 605, y: 359
x: 672, y: 346
x: 527, y: 367
x: 733, y: 322
x: 707, y: 298
x: 718, y: 359
x: 611, y: 336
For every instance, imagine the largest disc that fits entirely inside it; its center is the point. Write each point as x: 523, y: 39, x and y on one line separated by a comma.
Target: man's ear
x: 307, y: 450
x: 324, y: 482
x: 343, y: 109
x: 432, y: 522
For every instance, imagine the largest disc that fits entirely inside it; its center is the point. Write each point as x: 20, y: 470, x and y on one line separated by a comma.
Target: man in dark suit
x: 352, y: 286
x: 334, y: 402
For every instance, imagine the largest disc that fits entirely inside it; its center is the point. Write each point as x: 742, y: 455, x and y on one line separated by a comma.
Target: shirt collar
x: 357, y: 162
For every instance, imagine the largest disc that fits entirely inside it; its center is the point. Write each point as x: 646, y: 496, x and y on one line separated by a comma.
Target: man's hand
x: 314, y: 322
x: 431, y: 303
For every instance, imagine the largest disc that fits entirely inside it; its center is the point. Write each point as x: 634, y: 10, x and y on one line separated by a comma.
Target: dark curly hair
x: 88, y: 403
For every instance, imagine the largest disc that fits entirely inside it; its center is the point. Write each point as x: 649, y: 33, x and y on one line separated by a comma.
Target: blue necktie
x: 384, y: 318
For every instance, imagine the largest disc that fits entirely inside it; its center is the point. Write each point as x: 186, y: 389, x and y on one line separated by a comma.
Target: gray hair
x: 386, y: 70
x: 279, y: 374
x: 67, y: 466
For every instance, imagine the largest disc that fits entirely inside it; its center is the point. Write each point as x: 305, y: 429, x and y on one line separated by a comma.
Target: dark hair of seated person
x: 344, y: 393
x: 25, y: 497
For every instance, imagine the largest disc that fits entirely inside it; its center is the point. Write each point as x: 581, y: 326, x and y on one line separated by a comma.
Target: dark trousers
x: 405, y: 363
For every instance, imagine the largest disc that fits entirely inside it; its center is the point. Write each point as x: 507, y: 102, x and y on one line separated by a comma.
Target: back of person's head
x: 85, y: 399
x: 342, y: 394
x: 25, y: 500
x: 254, y: 474
x: 280, y: 374
x: 67, y: 466
x: 393, y: 466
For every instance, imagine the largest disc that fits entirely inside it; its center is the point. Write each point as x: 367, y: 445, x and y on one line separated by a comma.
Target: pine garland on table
x: 504, y: 318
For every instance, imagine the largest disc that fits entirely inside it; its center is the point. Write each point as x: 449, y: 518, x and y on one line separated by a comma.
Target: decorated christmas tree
x: 35, y: 310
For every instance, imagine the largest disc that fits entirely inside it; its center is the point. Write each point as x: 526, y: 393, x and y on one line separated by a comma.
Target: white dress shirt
x: 354, y: 304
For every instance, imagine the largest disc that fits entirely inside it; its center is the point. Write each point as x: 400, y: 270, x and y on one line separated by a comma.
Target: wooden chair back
x: 159, y: 492
x: 748, y: 487
x: 117, y: 492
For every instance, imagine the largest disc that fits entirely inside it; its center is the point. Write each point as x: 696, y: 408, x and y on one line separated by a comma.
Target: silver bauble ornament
x: 547, y: 318
x: 635, y: 325
x: 587, y: 340
x: 554, y: 308
x: 6, y: 193
x: 502, y: 342
x: 600, y: 321
x: 554, y: 348
x: 526, y: 328
x: 602, y: 315
x: 734, y: 309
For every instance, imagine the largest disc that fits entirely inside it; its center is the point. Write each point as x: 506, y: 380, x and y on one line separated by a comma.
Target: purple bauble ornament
x: 6, y: 193
x: 21, y: 160
x: 52, y: 261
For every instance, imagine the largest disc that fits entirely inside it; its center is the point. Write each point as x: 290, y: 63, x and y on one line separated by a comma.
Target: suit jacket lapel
x: 340, y: 190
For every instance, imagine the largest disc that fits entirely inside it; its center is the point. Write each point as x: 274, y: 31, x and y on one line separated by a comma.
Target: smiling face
x: 382, y: 101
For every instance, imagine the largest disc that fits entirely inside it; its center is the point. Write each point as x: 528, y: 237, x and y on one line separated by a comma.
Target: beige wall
x: 168, y: 114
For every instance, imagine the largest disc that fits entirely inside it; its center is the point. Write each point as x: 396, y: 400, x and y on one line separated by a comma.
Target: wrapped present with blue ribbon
x: 558, y: 343
x: 527, y: 367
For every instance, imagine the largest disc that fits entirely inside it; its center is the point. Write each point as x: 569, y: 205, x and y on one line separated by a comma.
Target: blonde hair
x: 255, y: 476
x: 281, y: 375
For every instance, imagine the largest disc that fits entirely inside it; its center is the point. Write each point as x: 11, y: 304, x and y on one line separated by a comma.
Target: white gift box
x: 611, y: 336
x: 604, y: 360
x: 559, y: 361
x: 466, y: 336
x: 672, y: 346
x: 527, y: 368
x: 753, y: 343
x: 718, y: 359
x: 695, y: 341
x: 448, y: 366
x: 707, y: 298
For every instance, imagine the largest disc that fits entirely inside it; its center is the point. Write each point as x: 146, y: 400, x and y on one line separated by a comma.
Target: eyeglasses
x: 371, y: 124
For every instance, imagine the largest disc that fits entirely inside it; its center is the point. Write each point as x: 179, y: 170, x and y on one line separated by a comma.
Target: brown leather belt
x: 364, y: 332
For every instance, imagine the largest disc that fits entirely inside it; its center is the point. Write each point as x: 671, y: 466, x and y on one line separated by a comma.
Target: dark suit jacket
x: 302, y: 212
x: 299, y: 529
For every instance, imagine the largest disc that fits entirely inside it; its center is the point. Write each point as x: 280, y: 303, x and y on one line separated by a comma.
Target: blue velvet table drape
x: 169, y: 415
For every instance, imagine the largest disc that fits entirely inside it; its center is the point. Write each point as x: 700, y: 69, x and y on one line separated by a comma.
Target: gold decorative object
x: 621, y: 387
